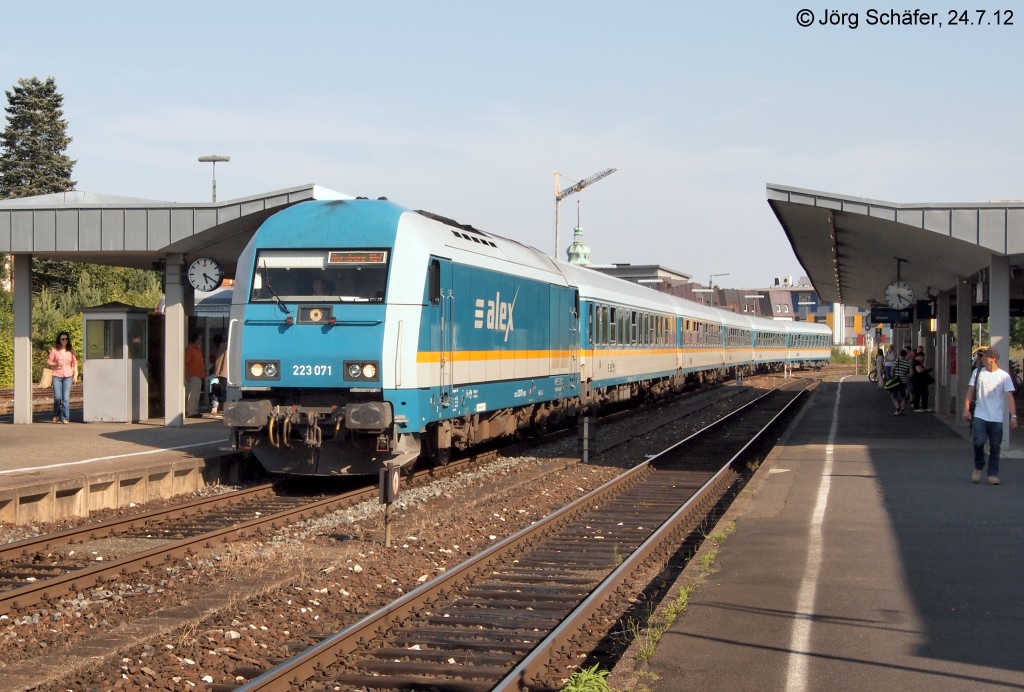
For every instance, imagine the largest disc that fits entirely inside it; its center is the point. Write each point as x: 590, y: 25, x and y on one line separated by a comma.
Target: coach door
x: 574, y: 366
x: 442, y: 302
x: 563, y: 311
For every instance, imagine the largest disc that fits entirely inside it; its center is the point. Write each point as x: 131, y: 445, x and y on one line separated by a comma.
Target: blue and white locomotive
x: 363, y: 334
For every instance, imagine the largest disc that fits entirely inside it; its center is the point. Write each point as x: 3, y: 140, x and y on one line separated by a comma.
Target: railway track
x: 34, y: 570
x: 522, y: 614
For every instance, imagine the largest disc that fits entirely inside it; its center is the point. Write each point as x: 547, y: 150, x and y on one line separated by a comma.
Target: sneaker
x: 897, y: 412
x: 993, y: 480
x: 976, y: 476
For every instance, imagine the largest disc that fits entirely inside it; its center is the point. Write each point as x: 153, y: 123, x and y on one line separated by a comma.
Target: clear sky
x: 466, y: 108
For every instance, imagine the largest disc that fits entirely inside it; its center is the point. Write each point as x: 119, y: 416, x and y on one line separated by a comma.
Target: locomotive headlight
x: 360, y: 370
x: 263, y: 369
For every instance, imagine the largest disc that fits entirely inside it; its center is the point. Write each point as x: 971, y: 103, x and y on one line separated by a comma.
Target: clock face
x: 898, y: 295
x: 205, y: 274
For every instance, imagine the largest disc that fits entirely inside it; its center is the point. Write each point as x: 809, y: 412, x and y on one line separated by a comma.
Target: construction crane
x: 575, y: 187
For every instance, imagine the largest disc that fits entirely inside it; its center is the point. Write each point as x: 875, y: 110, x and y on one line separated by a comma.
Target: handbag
x: 46, y: 379
x: 893, y: 383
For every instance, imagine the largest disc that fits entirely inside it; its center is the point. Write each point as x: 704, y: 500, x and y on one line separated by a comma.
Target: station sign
x: 881, y: 315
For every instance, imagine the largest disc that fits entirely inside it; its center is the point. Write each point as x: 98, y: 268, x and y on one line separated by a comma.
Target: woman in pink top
x: 64, y: 362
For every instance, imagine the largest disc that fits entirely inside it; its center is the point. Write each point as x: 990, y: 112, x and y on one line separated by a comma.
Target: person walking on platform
x: 64, y: 362
x: 220, y: 375
x: 920, y: 378
x: 890, y: 360
x: 990, y: 390
x: 880, y: 368
x: 901, y: 369
x: 195, y: 371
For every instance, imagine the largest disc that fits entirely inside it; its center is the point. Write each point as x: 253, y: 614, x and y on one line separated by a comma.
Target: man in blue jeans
x: 991, y: 391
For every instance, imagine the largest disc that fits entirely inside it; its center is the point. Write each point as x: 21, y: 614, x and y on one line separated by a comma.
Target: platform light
x: 214, y: 159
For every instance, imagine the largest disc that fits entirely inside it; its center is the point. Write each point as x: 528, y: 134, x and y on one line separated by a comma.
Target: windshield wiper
x: 266, y: 275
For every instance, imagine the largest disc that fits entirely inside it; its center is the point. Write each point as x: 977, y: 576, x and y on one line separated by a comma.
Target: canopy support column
x: 174, y: 342
x: 22, y: 279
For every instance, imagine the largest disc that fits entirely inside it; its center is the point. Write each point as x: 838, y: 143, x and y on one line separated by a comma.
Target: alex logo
x: 495, y: 314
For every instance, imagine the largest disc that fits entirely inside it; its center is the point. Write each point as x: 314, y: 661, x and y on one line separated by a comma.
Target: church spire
x: 578, y: 252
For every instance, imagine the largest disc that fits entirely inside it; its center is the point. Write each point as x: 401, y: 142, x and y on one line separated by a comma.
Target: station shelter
x: 138, y: 233
x: 922, y: 267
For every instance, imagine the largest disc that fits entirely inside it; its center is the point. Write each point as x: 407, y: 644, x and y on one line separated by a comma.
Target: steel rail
x: 86, y: 577
x: 549, y: 657
x: 90, y: 576
x: 112, y: 527
x: 334, y: 649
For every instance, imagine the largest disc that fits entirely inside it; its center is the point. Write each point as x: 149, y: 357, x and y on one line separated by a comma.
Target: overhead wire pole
x: 575, y: 187
x: 711, y: 286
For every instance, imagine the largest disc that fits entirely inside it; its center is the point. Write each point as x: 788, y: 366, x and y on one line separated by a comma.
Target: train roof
x: 594, y: 285
x: 464, y: 238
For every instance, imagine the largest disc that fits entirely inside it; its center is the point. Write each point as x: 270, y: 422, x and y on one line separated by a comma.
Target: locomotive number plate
x: 311, y: 370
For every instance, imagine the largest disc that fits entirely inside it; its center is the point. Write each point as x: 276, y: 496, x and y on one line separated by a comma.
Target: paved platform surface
x: 33, y: 456
x: 865, y: 559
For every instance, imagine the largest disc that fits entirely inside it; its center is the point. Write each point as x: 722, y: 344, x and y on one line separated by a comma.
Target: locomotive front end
x: 307, y: 350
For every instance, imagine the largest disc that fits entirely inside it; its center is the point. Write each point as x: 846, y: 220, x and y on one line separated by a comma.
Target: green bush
x: 54, y: 312
x: 841, y: 357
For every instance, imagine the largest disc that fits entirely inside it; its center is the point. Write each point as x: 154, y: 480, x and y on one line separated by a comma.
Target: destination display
x: 883, y: 315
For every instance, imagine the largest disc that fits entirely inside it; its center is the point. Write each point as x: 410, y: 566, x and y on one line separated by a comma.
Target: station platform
x: 863, y: 558
x: 49, y: 472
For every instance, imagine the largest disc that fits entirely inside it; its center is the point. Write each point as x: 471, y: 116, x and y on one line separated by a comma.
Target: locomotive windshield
x: 323, y: 276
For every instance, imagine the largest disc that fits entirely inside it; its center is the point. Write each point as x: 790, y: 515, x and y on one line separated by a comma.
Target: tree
x: 33, y: 162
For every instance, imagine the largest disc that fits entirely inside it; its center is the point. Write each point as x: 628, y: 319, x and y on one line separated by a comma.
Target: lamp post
x: 214, y: 159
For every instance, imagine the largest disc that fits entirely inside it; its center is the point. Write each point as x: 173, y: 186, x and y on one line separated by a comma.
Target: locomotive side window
x: 434, y: 277
x: 323, y: 276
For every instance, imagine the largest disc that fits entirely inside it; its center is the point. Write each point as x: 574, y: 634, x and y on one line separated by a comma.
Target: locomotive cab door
x: 442, y: 307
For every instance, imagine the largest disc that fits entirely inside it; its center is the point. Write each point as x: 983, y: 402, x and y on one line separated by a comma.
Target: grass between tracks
x: 646, y: 632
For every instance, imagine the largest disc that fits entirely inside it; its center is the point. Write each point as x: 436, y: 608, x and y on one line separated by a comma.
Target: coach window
x: 613, y: 331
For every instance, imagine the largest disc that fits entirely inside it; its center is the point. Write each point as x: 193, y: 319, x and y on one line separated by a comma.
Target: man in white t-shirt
x: 991, y: 391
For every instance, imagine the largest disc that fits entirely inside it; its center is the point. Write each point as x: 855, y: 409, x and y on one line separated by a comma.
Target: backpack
x: 974, y: 394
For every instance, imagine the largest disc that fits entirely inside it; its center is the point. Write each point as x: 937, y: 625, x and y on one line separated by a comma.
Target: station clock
x: 205, y: 274
x: 898, y: 294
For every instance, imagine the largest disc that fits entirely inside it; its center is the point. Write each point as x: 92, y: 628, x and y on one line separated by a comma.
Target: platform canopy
x: 849, y: 245
x: 139, y: 233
